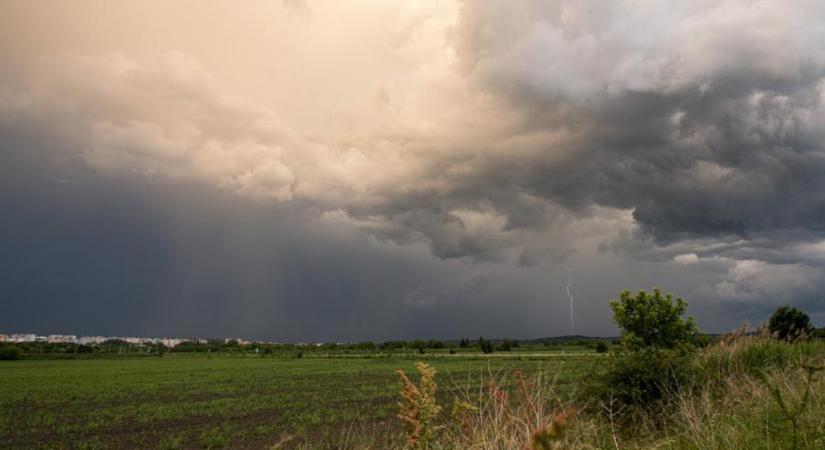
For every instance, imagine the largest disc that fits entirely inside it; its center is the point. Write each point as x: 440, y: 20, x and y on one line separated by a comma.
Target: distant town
x: 98, y: 340
x: 168, y: 342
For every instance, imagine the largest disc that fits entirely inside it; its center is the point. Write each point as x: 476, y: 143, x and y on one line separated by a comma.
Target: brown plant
x: 418, y: 408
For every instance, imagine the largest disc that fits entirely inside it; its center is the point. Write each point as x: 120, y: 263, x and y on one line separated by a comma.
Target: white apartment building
x: 91, y: 340
x: 62, y: 339
x: 22, y: 337
x: 170, y: 342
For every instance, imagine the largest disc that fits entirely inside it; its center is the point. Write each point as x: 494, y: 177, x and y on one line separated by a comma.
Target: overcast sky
x: 329, y: 170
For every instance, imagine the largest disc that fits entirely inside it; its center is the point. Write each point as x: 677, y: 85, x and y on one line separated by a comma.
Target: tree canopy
x: 653, y: 320
x: 789, y: 323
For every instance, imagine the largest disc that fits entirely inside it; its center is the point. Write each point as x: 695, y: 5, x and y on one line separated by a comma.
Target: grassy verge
x: 745, y: 393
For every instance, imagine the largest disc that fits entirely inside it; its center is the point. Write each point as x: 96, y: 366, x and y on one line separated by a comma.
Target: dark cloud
x: 672, y: 145
x: 705, y: 148
x: 702, y: 129
x: 120, y: 256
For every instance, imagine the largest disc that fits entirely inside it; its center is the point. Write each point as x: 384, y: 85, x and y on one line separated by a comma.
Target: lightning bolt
x: 570, y: 296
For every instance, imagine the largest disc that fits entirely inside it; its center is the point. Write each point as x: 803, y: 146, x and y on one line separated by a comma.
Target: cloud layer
x: 517, y: 135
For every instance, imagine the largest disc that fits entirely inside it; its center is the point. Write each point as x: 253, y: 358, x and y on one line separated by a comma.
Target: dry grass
x: 509, y: 411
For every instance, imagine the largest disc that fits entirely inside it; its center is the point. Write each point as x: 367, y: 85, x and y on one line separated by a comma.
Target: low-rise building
x: 91, y: 340
x: 62, y: 339
x: 170, y: 342
x: 22, y: 337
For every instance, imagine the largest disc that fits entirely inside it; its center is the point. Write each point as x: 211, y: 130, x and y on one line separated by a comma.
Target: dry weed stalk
x: 510, y: 412
x: 551, y: 436
x: 418, y: 408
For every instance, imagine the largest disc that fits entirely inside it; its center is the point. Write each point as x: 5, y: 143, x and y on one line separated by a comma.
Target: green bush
x: 10, y: 353
x: 648, y: 378
x: 653, y: 320
x: 790, y: 324
x: 485, y: 346
x: 653, y: 362
x: 601, y: 347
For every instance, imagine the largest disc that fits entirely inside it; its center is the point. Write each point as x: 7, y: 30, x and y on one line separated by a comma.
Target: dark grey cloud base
x: 678, y: 146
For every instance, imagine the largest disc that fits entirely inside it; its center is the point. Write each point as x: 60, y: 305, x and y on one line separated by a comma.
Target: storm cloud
x: 422, y: 159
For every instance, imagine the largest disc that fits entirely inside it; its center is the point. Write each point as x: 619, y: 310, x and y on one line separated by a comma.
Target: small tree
x: 434, y: 343
x: 506, y: 345
x: 485, y: 346
x: 10, y: 353
x: 790, y: 324
x: 653, y: 361
x: 419, y: 345
x: 653, y: 320
x: 601, y: 347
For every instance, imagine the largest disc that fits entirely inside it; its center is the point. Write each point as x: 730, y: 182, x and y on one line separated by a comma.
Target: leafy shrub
x: 653, y: 320
x: 485, y: 346
x: 601, y: 347
x: 790, y: 324
x: 9, y: 353
x: 419, y: 345
x: 506, y: 345
x: 434, y: 343
x: 654, y: 359
x: 648, y: 378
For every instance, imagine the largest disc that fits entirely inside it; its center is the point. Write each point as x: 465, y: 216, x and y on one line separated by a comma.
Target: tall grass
x: 748, y: 392
x: 751, y: 351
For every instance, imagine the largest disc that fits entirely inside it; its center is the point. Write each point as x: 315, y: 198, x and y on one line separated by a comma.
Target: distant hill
x: 553, y: 339
x: 568, y: 338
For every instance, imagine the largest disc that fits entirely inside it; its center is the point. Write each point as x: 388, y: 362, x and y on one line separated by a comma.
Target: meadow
x: 238, y: 401
x: 662, y: 385
x: 741, y: 391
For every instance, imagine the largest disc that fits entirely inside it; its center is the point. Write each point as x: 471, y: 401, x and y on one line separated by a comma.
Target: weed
x: 418, y: 408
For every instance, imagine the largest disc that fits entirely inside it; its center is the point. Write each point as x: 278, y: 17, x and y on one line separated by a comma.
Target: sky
x: 394, y: 169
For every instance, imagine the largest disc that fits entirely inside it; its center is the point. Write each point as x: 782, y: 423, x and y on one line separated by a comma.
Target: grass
x: 746, y: 393
x: 230, y: 402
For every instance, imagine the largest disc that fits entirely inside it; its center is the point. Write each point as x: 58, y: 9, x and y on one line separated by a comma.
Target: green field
x: 190, y: 401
